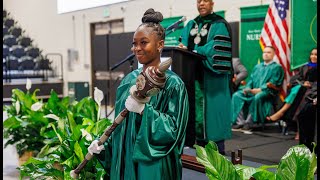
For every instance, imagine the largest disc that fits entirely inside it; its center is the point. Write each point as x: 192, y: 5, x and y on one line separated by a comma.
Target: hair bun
x: 152, y: 16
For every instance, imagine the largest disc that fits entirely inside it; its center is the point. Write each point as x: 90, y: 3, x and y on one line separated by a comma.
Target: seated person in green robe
x: 149, y: 142
x: 253, y: 103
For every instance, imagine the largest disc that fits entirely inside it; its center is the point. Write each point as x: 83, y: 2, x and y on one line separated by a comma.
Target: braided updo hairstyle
x: 152, y: 19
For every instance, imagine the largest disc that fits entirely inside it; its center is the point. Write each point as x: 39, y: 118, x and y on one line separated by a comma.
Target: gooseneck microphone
x: 175, y: 25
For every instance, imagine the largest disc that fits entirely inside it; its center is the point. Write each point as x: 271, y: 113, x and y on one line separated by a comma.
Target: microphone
x: 176, y: 24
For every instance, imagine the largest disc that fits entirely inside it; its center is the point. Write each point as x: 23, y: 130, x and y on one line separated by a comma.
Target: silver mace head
x: 150, y: 81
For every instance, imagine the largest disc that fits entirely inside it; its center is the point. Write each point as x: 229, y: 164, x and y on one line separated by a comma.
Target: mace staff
x: 148, y: 83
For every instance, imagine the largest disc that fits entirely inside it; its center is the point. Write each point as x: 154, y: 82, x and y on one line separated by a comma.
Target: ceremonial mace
x: 148, y: 83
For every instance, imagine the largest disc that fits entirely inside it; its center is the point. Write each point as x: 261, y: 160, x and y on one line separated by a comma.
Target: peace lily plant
x: 63, y: 130
x: 297, y: 164
x: 25, y: 116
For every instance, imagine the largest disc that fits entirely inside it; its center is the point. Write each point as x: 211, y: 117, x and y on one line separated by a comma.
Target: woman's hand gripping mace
x: 148, y: 83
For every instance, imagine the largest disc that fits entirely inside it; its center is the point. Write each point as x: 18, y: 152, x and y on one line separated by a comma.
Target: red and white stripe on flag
x: 275, y: 33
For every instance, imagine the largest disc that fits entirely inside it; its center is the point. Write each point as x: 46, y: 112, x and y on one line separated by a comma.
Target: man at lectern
x: 210, y: 35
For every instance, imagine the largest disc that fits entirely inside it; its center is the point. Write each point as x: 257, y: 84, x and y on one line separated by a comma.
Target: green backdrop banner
x: 252, y: 20
x: 304, y: 30
x: 220, y: 13
x: 172, y: 39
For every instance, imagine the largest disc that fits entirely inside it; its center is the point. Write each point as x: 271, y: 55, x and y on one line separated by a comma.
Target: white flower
x: 52, y: 116
x: 98, y: 95
x: 17, y: 106
x: 89, y: 137
x: 28, y: 85
x: 36, y: 106
x: 86, y: 134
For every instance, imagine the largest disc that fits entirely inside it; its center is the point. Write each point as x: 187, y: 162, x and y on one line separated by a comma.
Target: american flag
x: 275, y: 33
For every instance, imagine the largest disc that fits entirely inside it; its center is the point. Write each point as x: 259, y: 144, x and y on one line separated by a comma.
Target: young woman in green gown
x: 149, y: 142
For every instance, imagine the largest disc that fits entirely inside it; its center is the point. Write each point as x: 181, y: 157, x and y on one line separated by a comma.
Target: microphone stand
x: 171, y: 31
x: 128, y: 58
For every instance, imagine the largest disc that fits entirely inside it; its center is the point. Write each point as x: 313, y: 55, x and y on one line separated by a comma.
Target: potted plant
x: 67, y: 140
x: 25, y: 119
x: 298, y: 163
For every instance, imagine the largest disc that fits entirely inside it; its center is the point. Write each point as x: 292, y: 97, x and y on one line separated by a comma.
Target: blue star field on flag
x: 282, y: 7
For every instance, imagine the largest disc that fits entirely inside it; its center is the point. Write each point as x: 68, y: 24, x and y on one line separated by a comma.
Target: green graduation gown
x: 212, y: 90
x: 259, y: 105
x: 149, y: 146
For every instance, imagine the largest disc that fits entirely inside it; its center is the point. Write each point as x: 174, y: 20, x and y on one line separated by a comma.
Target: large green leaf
x: 37, y: 117
x: 40, y: 168
x: 66, y: 148
x: 69, y: 161
x: 47, y: 132
x: 58, y: 135
x: 78, y: 151
x: 101, y: 172
x: 52, y: 103
x: 65, y: 102
x: 66, y: 175
x: 76, y: 134
x: 90, y: 124
x: 26, y: 101
x: 61, y: 126
x: 203, y: 159
x: 35, y: 160
x: 264, y: 175
x: 34, y: 95
x: 216, y: 165
x: 12, y: 122
x: 295, y: 164
x: 87, y: 108
x: 101, y: 126
x: 313, y: 163
x: 72, y: 123
x: 46, y: 150
x: 245, y: 172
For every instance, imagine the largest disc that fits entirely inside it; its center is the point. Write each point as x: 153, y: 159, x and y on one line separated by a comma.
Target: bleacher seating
x: 17, y: 51
x: 9, y: 40
x: 20, y: 58
x: 26, y: 63
x: 32, y: 51
x: 13, y: 63
x: 8, y: 22
x: 15, y: 31
x: 5, y: 30
x: 24, y: 41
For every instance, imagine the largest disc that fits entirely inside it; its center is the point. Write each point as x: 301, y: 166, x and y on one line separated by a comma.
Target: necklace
x: 202, y: 33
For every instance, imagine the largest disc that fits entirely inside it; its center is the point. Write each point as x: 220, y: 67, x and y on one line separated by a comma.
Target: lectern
x: 188, y: 66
